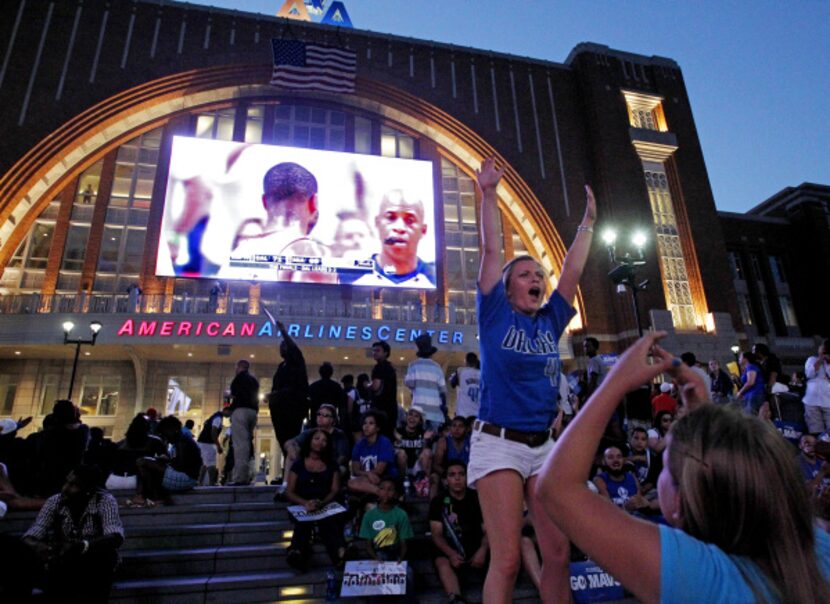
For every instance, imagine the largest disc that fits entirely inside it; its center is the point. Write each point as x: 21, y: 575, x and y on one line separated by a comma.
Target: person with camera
x: 817, y: 395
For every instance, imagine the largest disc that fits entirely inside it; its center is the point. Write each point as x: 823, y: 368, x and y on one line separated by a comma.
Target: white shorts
x: 121, y: 483
x: 208, y: 454
x: 489, y: 453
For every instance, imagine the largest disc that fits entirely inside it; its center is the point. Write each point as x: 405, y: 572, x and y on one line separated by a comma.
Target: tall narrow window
x: 736, y: 266
x: 670, y: 252
x: 788, y: 311
x: 745, y: 309
x: 776, y: 266
x: 125, y: 225
x: 48, y: 392
x: 8, y: 390
x: 362, y: 135
x: 462, y: 254
x: 765, y: 307
x: 757, y: 273
x: 254, y: 123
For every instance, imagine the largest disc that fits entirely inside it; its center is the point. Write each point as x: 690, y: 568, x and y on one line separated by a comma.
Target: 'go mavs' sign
x: 589, y: 583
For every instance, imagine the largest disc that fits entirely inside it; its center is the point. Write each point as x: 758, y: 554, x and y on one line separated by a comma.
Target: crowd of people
x: 686, y: 462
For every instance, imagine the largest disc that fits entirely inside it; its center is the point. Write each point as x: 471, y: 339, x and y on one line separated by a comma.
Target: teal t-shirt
x: 694, y: 571
x: 386, y: 530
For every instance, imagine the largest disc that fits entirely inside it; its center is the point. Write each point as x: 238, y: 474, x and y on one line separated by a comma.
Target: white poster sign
x: 301, y: 514
x: 373, y: 578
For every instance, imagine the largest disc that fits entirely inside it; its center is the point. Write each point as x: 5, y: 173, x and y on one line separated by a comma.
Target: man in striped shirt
x: 426, y: 380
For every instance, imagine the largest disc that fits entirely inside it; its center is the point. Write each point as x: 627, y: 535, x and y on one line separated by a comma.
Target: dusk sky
x: 757, y: 72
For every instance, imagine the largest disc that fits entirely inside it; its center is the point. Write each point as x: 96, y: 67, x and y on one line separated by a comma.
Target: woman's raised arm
x: 577, y: 255
x: 489, y: 272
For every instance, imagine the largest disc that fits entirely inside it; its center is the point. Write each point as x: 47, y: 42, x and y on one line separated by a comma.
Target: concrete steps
x: 229, y: 544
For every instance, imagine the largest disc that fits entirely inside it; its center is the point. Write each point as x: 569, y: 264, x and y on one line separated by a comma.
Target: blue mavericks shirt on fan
x: 520, y: 363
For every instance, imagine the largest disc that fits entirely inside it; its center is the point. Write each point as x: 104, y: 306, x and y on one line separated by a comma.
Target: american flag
x: 301, y: 66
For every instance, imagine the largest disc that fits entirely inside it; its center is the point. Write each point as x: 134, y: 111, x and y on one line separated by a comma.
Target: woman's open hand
x: 590, y: 216
x: 633, y: 369
x: 488, y: 176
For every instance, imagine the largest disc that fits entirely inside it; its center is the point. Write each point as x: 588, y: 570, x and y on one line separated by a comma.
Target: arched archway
x: 29, y: 185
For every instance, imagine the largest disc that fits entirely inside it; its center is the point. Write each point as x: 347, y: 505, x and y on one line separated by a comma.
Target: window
x: 362, y: 135
x: 75, y: 248
x: 745, y: 310
x: 787, y: 311
x: 125, y: 225
x: 313, y: 127
x: 641, y: 118
x: 736, y: 266
x: 39, y: 245
x: 765, y: 308
x: 396, y: 144
x: 462, y: 255
x: 645, y: 111
x: 757, y: 274
x: 216, y: 124
x: 99, y: 394
x: 254, y: 123
x: 48, y: 392
x: 776, y: 266
x: 32, y: 255
x: 8, y: 390
x: 670, y: 251
x: 87, y: 192
x: 185, y: 393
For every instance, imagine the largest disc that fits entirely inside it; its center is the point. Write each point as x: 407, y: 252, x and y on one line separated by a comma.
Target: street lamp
x: 624, y: 274
x: 735, y: 350
x: 68, y: 326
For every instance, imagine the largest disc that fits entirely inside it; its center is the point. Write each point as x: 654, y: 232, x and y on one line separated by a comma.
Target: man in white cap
x: 664, y: 401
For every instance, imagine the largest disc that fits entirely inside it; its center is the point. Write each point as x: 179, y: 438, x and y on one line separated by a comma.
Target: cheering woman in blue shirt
x: 519, y: 330
x: 741, y: 524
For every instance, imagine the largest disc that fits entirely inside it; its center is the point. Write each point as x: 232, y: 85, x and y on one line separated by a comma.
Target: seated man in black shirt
x: 457, y: 529
x: 161, y: 476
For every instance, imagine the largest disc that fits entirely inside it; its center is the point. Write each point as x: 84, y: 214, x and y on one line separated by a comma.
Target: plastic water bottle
x: 407, y: 487
x: 331, y: 586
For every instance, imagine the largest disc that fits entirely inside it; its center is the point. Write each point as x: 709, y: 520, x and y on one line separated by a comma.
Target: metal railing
x: 24, y: 304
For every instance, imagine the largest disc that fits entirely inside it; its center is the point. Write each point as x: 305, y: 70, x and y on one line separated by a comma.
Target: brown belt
x: 531, y: 439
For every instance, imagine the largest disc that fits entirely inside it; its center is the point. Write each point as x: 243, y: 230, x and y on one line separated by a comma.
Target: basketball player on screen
x: 290, y: 200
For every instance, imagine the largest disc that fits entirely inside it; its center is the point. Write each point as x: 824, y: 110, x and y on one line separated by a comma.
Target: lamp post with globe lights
x: 624, y: 274
x: 68, y: 326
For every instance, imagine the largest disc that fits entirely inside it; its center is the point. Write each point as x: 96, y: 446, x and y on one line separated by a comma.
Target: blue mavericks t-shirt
x: 520, y: 363
x: 693, y: 571
x: 370, y: 455
x: 620, y: 491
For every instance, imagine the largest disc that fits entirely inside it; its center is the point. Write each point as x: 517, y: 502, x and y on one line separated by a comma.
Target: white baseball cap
x: 7, y: 426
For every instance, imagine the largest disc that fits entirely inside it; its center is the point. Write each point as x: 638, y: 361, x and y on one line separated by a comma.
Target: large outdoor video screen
x: 250, y: 212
